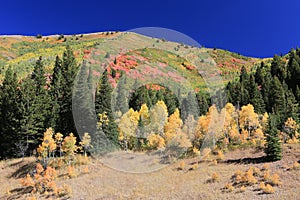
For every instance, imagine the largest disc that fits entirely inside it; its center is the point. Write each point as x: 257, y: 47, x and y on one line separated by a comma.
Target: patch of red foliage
x: 190, y: 67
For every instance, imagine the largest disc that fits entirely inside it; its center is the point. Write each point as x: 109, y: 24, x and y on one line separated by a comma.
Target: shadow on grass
x: 18, y: 193
x: 257, y: 160
x: 22, y: 171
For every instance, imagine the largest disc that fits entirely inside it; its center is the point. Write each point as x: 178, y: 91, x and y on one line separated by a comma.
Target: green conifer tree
x: 273, y: 147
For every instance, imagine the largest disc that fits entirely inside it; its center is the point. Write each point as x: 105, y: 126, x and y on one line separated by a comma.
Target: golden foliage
x: 181, y: 165
x: 155, y: 141
x: 128, y: 124
x: 291, y: 128
x: 172, y: 126
x: 220, y: 155
x: 275, y: 179
x: 268, y: 189
x: 71, y: 172
x: 215, y: 177
x: 48, y: 145
x: 144, y: 114
x: 69, y: 146
x: 85, y: 142
x: 267, y: 175
x: 229, y: 187
x: 196, y: 151
x: 262, y: 185
x: 243, y: 188
x: 195, y: 166
x: 296, y: 166
x: 42, y: 181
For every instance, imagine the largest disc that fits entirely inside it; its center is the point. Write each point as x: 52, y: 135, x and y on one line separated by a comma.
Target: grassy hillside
x: 21, y: 52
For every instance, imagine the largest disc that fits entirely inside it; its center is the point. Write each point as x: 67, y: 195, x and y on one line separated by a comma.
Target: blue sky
x: 259, y: 28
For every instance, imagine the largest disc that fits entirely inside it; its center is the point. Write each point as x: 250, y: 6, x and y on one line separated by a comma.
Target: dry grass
x: 104, y: 182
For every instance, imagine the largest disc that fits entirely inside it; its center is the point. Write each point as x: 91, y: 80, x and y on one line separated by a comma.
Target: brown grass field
x: 194, y: 181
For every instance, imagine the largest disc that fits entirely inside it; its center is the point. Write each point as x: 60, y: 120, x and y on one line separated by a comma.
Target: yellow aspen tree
x: 215, y: 128
x: 201, y: 131
x: 172, y: 126
x: 264, y: 121
x: 291, y: 129
x: 128, y: 125
x: 85, y: 143
x: 234, y: 134
x: 155, y: 141
x: 158, y: 118
x: 144, y: 114
x: 248, y: 119
x: 47, y: 147
x: 259, y: 137
x: 228, y: 114
x: 69, y: 147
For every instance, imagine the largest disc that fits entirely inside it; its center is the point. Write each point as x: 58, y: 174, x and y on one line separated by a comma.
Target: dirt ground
x: 114, y: 180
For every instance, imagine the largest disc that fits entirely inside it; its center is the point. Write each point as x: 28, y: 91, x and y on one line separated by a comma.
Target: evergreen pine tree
x: 82, y: 105
x: 256, y: 98
x: 103, y: 106
x: 69, y: 72
x: 266, y: 91
x: 121, y: 98
x: 278, y: 99
x: 41, y: 102
x: 10, y: 115
x: 273, y: 147
x: 56, y: 91
x: 203, y: 104
x: 291, y: 107
x: 278, y: 68
x: 245, y: 85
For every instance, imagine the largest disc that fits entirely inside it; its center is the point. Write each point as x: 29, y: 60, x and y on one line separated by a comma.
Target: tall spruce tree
x: 273, y: 147
x: 103, y: 106
x: 10, y: 115
x: 121, y: 96
x: 41, y: 103
x: 69, y: 72
x: 278, y: 100
x: 82, y: 105
x: 56, y: 91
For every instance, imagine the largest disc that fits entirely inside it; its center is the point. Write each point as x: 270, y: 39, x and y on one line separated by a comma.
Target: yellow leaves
x: 39, y: 168
x: 48, y: 145
x: 158, y: 117
x: 155, y: 141
x: 202, y: 128
x: 173, y: 126
x: 69, y: 145
x: 196, y: 151
x: 71, y: 172
x: 27, y: 181
x: 128, y: 123
x: 291, y: 128
x: 268, y: 189
x: 220, y: 155
x: 58, y: 138
x: 215, y: 177
x: 85, y: 142
x: 144, y: 114
x: 248, y: 118
x: 103, y: 119
x: 181, y: 165
x: 42, y: 181
x: 229, y: 187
